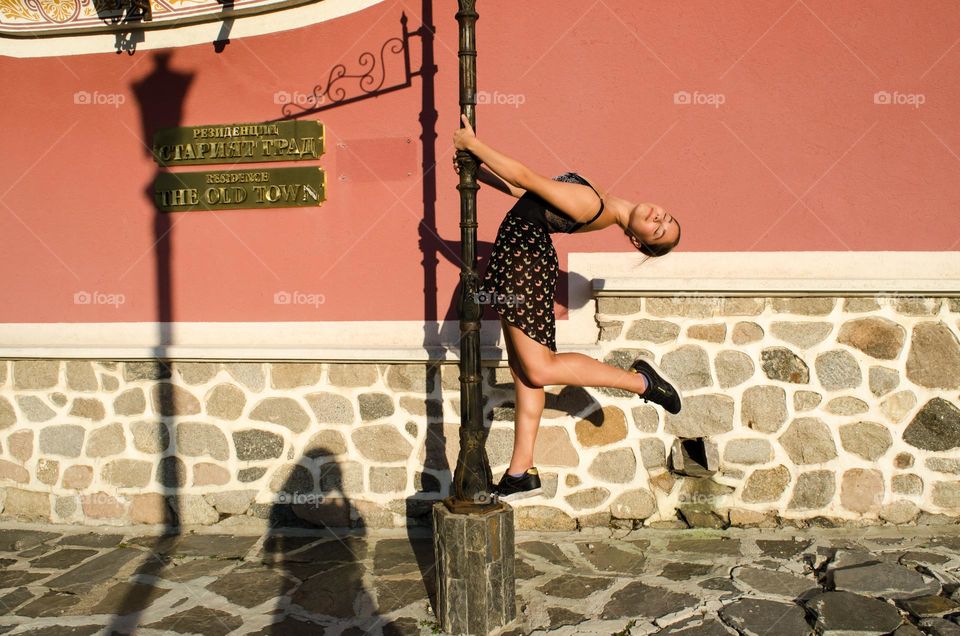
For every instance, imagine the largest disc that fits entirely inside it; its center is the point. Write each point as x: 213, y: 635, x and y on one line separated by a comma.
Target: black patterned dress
x: 520, y: 280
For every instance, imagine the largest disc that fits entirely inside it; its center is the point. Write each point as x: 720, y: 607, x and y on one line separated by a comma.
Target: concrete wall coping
x: 489, y: 355
x: 781, y: 274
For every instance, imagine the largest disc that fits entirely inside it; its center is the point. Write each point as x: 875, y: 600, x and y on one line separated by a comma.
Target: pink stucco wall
x: 798, y: 156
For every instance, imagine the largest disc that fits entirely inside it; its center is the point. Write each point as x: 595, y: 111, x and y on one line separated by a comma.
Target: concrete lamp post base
x: 475, y: 569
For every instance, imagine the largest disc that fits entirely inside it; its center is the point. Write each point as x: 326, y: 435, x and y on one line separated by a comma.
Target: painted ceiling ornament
x: 58, y: 11
x: 19, y: 10
x: 53, y: 28
x: 43, y: 16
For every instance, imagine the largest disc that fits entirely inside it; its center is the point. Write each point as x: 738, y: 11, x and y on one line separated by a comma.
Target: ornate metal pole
x: 472, y: 478
x: 473, y: 538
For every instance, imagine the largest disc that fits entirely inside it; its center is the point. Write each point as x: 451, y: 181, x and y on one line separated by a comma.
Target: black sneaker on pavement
x: 512, y: 488
x: 659, y: 391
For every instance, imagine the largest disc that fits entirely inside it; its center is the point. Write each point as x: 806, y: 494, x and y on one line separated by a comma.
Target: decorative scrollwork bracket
x: 343, y: 87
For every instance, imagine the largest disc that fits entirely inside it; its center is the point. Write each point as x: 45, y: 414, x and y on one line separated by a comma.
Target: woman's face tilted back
x: 652, y: 229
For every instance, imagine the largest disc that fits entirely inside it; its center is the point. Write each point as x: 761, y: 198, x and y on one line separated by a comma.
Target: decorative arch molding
x: 46, y: 28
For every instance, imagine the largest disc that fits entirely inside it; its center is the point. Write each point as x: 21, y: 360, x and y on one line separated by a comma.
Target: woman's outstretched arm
x: 577, y: 201
x: 484, y: 175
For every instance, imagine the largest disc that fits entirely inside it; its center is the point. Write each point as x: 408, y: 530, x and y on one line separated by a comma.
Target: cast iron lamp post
x: 472, y: 480
x: 473, y: 537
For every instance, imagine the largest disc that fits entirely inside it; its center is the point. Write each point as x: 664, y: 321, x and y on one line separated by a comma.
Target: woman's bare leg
x: 528, y: 408
x: 542, y: 367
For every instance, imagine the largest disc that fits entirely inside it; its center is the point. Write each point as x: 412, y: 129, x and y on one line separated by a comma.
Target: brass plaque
x: 297, y: 140
x: 235, y: 189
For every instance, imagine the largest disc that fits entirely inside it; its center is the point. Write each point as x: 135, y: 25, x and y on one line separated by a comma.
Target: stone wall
x: 811, y: 411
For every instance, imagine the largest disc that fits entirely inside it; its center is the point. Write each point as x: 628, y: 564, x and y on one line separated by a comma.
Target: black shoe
x: 659, y: 391
x: 512, y: 488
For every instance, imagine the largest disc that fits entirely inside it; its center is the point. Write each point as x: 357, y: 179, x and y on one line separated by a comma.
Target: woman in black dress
x: 520, y: 281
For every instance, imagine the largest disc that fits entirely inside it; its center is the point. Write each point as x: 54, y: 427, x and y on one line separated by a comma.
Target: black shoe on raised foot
x: 659, y: 391
x: 512, y: 488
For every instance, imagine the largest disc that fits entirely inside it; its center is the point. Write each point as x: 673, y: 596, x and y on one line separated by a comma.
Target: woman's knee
x: 520, y: 370
x: 520, y: 377
x: 538, y: 372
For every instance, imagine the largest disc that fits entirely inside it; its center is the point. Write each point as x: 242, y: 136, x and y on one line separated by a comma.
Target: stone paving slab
x: 884, y: 580
x: 873, y: 580
x: 846, y: 612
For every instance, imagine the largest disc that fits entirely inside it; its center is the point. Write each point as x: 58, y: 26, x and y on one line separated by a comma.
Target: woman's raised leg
x: 542, y: 367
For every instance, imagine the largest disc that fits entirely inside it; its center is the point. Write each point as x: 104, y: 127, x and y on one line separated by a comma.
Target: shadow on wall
x: 330, y: 574
x: 121, y: 13
x: 327, y: 571
x: 223, y: 37
x: 334, y: 572
x: 160, y: 97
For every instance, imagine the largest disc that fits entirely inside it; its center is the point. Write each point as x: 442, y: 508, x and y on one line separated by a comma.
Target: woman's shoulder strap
x: 573, y: 177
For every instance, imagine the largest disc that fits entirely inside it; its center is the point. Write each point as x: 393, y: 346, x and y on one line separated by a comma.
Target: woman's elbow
x: 523, y: 178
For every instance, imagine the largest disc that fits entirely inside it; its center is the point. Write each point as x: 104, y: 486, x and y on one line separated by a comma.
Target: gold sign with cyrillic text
x: 235, y: 189
x: 239, y: 143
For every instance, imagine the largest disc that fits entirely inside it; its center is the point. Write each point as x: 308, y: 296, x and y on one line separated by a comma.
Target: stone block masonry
x: 823, y: 411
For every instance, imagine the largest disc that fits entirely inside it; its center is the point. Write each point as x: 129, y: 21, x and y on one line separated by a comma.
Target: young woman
x: 520, y: 281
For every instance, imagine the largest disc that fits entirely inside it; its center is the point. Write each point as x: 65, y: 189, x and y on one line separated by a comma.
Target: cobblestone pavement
x: 872, y: 580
